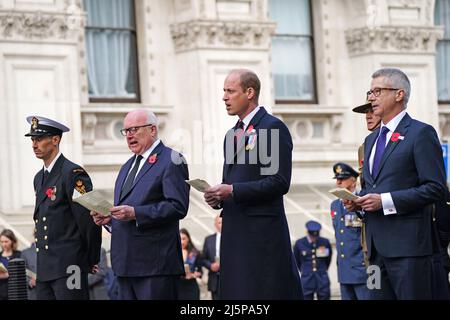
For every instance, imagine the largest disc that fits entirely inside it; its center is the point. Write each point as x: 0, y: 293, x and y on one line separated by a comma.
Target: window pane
x: 292, y: 16
x: 111, y: 49
x: 292, y: 68
x: 442, y: 17
x: 110, y: 13
x: 443, y: 70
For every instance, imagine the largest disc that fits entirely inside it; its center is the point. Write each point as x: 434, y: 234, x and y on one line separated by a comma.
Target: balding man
x: 150, y: 198
x: 256, y: 259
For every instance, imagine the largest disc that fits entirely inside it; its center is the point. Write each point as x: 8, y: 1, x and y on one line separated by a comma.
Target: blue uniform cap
x: 313, y: 226
x: 344, y: 171
x: 41, y: 126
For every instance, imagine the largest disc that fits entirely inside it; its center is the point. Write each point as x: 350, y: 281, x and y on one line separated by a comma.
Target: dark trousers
x: 59, y: 290
x: 148, y: 288
x: 355, y: 291
x: 405, y: 278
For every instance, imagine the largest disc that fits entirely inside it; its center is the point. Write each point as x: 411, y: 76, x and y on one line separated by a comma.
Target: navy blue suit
x: 256, y: 255
x: 150, y: 245
x: 209, y: 256
x: 412, y: 170
x: 313, y: 260
x: 350, y: 258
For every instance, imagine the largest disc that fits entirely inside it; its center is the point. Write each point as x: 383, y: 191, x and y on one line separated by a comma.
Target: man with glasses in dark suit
x: 150, y: 197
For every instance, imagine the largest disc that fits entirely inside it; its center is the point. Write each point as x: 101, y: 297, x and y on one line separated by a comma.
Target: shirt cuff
x: 388, y: 204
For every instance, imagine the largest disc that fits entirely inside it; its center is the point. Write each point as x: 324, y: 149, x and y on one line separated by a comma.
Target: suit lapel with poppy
x: 402, y: 129
x: 54, y: 176
x: 145, y: 168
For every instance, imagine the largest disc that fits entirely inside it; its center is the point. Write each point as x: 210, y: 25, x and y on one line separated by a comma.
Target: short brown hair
x: 249, y: 79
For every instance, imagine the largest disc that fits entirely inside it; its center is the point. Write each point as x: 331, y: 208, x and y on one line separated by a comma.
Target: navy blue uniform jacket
x: 256, y: 254
x: 151, y: 245
x: 412, y: 170
x: 65, y: 232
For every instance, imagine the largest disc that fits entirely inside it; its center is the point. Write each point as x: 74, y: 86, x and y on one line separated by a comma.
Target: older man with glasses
x: 150, y: 198
x: 404, y: 175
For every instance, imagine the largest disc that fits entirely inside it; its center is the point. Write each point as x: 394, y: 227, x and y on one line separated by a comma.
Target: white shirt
x: 249, y: 117
x: 50, y: 167
x: 386, y: 198
x: 218, y: 236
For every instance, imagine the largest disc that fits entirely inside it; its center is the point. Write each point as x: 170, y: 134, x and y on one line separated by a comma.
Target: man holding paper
x: 404, y: 175
x: 256, y: 258
x: 347, y: 225
x: 150, y: 198
x: 67, y: 240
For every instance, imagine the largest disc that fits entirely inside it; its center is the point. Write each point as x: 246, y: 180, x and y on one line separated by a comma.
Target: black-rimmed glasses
x: 377, y: 91
x: 133, y: 130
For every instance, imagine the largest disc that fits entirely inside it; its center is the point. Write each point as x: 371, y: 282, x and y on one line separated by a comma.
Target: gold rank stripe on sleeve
x: 78, y: 170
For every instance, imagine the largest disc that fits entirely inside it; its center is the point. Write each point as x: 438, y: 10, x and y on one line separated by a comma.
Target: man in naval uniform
x: 67, y: 240
x: 351, y: 268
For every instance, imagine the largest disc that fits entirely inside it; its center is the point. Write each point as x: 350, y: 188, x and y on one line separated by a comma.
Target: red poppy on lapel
x: 250, y: 128
x: 333, y: 214
x: 152, y: 159
x: 361, y: 163
x: 51, y: 193
x: 395, y: 136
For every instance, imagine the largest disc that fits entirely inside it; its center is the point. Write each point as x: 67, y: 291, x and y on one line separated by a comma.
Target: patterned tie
x: 130, y: 179
x: 238, y: 131
x: 381, y: 145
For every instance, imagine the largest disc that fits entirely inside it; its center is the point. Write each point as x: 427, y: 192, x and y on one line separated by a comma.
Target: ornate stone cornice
x: 205, y: 34
x: 401, y: 39
x: 38, y: 25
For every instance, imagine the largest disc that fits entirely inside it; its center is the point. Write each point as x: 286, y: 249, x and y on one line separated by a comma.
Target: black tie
x: 46, y: 174
x: 130, y: 179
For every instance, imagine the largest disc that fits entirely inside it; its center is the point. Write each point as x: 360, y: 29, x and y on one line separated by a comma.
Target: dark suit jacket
x: 151, y: 245
x: 66, y: 233
x: 412, y: 170
x: 209, y: 257
x: 256, y: 254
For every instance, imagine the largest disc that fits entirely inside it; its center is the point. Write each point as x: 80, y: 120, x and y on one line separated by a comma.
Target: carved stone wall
x: 393, y: 40
x: 195, y: 35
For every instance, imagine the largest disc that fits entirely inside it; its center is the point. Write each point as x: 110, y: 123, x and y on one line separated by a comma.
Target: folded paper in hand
x: 3, y: 268
x: 343, y: 194
x: 94, y: 201
x: 198, y: 184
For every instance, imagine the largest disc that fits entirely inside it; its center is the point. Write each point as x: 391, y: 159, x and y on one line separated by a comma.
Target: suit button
x: 35, y: 239
x: 374, y: 186
x: 363, y: 263
x: 45, y: 238
x: 313, y: 256
x: 46, y: 247
x: 37, y: 249
x: 36, y: 220
x: 44, y: 218
x: 342, y: 231
x: 342, y: 256
x: 342, y: 219
x: 313, y: 250
x: 314, y: 270
x: 342, y: 244
x: 45, y: 227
